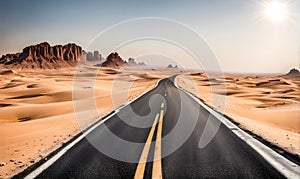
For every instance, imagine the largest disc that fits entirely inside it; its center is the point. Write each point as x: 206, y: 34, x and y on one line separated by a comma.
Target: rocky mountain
x: 96, y: 56
x: 132, y: 62
x: 113, y: 60
x: 44, y: 56
x: 170, y: 66
x: 293, y: 73
x: 141, y: 64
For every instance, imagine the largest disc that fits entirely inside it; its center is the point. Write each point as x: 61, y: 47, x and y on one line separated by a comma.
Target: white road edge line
x: 49, y: 162
x: 286, y: 167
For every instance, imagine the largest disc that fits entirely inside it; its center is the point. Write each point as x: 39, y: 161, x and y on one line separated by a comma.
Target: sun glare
x: 276, y: 10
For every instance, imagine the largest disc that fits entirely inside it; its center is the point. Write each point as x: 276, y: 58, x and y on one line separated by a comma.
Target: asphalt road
x: 226, y: 156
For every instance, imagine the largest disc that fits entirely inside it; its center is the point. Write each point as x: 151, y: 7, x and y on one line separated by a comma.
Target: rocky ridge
x: 44, y: 56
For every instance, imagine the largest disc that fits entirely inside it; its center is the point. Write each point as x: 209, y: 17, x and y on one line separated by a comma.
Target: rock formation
x: 141, y: 64
x: 293, y: 72
x: 96, y: 56
x: 44, y: 56
x: 89, y: 56
x: 131, y: 62
x: 170, y: 66
x: 113, y: 60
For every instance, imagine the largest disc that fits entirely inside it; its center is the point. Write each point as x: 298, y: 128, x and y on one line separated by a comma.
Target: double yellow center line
x: 157, y: 169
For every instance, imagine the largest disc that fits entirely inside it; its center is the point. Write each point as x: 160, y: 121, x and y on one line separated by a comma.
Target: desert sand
x: 37, y: 107
x: 37, y: 114
x: 265, y: 105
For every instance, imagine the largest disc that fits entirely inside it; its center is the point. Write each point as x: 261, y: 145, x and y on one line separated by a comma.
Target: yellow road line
x: 157, y: 169
x: 162, y: 105
x: 139, y: 173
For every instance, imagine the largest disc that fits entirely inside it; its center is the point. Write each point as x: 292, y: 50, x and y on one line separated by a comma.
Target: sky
x: 238, y: 32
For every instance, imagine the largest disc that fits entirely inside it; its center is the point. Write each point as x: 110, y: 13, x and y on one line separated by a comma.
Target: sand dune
x: 267, y: 106
x: 37, y: 112
x: 37, y: 107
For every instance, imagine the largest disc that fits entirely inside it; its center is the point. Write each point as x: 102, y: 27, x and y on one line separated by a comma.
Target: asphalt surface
x: 226, y: 156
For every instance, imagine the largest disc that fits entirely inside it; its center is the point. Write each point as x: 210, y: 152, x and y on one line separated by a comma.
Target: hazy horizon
x: 242, y: 38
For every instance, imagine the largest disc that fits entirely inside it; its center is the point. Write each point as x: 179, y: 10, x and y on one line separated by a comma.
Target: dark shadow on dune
x: 4, y: 105
x: 213, y: 84
x: 271, y: 83
x: 288, y: 91
x: 228, y: 93
x: 6, y: 72
x: 111, y: 72
x: 284, y: 97
x: 11, y: 85
x: 32, y: 86
x: 27, y: 96
x: 262, y: 106
x: 23, y: 119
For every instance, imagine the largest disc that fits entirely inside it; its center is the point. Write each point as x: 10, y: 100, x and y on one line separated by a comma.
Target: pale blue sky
x: 236, y: 31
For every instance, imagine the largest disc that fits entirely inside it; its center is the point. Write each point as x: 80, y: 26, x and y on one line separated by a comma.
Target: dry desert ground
x: 268, y: 106
x: 37, y: 107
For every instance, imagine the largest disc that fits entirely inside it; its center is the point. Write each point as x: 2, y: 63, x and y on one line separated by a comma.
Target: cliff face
x: 44, y: 56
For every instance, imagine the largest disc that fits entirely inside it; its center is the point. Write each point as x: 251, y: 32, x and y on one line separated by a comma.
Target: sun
x: 276, y: 10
